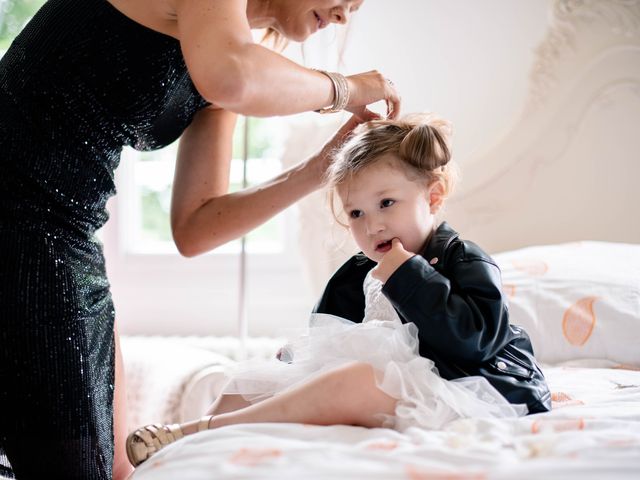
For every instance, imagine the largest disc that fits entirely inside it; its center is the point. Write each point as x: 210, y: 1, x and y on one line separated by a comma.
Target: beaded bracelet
x: 340, y: 92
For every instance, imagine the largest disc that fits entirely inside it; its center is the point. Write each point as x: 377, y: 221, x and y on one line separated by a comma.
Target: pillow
x: 175, y: 379
x: 576, y: 300
x: 162, y: 375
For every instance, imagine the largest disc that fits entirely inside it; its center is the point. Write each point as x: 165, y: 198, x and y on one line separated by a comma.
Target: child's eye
x: 387, y: 202
x: 355, y: 213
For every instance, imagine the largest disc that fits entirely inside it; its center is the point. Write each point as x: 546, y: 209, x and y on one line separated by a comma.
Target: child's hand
x: 391, y: 261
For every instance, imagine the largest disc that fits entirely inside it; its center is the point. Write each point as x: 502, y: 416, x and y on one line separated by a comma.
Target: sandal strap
x: 147, y: 440
x: 137, y: 450
x: 175, y: 431
x: 203, y: 424
x: 146, y: 436
x: 165, y: 434
x: 158, y: 436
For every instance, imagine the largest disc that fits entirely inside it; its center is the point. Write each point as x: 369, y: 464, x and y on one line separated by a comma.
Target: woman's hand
x: 370, y: 87
x: 324, y: 157
x: 391, y: 261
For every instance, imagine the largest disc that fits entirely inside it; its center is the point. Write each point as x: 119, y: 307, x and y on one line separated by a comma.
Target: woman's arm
x: 203, y: 215
x: 234, y: 73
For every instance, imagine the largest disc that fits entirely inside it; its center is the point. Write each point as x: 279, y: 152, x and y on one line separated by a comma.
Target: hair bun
x: 426, y: 144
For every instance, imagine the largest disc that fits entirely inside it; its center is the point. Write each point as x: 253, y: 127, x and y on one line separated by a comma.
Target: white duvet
x: 592, y: 433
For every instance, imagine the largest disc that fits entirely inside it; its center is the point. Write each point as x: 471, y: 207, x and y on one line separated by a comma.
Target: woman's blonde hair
x: 275, y: 40
x: 422, y: 143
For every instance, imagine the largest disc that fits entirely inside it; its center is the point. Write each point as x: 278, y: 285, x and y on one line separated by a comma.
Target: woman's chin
x: 299, y: 35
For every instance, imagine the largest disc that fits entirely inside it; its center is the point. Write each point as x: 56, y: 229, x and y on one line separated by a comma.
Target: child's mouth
x: 320, y: 21
x: 384, y: 246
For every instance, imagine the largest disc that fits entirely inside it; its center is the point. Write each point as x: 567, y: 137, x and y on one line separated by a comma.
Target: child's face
x: 381, y: 203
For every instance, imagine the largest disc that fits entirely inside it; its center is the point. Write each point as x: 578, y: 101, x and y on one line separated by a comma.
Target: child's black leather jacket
x: 452, y: 292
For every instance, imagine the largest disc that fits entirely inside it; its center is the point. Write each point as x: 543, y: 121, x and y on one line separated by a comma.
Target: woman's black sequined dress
x: 81, y: 81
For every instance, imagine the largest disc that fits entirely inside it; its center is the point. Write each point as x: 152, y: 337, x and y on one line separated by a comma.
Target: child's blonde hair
x: 422, y: 143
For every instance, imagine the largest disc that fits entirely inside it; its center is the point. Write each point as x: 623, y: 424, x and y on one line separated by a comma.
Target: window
x: 146, y: 190
x: 157, y: 291
x: 14, y: 14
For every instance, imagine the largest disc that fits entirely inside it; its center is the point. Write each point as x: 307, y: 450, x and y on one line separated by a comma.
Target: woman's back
x: 71, y: 98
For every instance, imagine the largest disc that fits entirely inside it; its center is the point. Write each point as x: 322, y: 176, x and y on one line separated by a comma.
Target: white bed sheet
x: 593, y: 432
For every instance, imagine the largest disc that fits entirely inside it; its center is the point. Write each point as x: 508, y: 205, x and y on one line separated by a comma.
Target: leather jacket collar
x: 435, y: 249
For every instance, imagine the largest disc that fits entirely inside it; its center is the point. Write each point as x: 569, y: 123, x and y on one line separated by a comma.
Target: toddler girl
x: 413, y: 331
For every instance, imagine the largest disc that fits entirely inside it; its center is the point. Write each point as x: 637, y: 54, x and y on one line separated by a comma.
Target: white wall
x: 467, y: 60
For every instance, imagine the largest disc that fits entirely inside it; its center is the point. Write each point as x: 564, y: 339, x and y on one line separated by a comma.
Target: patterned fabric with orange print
x: 576, y: 300
x: 593, y: 427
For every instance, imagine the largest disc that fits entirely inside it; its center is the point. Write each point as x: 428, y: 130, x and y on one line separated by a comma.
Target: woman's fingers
x: 344, y: 131
x: 364, y: 114
x: 349, y: 125
x: 393, y: 104
x: 370, y: 87
x: 393, y: 100
x: 323, y: 159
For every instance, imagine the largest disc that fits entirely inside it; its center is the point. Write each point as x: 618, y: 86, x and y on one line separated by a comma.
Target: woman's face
x: 298, y: 19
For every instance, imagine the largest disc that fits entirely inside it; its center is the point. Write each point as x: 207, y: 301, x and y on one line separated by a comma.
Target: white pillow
x: 576, y: 300
x: 162, y: 375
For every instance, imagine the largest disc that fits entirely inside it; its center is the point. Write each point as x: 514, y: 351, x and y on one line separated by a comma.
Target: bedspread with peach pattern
x: 593, y: 432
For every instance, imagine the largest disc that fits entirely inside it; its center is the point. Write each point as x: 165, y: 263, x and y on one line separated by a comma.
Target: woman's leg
x: 56, y: 362
x: 347, y: 395
x: 121, y: 466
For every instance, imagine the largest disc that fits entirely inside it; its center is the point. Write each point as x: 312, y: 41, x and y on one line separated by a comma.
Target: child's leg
x: 227, y: 402
x: 345, y: 396
x: 121, y: 466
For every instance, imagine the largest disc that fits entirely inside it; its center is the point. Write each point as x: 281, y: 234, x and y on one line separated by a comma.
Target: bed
x: 579, y: 301
x: 593, y: 432
x: 560, y: 188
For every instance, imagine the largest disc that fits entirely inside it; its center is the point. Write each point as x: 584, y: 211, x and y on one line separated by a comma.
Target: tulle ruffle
x: 424, y: 398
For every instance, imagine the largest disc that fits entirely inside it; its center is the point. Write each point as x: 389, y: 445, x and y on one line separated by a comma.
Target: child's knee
x: 355, y: 375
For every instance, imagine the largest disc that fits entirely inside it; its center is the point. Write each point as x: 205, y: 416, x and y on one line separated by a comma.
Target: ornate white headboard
x: 567, y: 170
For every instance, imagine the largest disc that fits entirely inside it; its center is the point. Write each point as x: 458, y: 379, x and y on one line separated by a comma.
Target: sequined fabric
x: 81, y: 81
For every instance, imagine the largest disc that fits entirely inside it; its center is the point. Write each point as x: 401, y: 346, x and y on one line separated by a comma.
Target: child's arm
x: 462, y: 314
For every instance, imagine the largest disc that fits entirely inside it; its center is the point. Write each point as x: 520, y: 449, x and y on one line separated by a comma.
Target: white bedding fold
x: 592, y: 433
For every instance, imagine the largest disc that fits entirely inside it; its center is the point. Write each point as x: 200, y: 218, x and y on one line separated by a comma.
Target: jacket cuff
x: 407, y: 278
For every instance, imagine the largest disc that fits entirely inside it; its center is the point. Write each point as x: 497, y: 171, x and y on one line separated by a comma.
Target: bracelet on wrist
x: 340, y: 92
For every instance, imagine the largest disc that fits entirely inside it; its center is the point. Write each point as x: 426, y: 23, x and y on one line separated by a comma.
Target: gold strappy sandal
x: 148, y: 440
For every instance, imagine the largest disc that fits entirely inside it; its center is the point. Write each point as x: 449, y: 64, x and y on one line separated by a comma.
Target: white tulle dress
x: 424, y: 398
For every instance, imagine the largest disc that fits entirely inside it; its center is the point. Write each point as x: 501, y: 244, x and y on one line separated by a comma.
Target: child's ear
x: 436, y: 196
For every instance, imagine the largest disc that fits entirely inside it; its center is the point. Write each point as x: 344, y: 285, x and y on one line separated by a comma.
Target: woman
x: 83, y: 79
